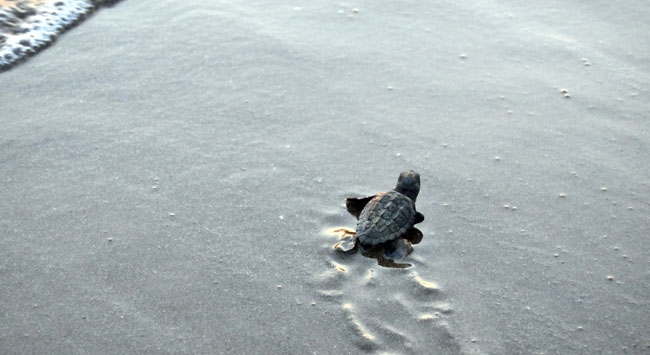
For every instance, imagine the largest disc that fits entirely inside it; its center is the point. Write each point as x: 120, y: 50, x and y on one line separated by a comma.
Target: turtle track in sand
x: 387, y: 310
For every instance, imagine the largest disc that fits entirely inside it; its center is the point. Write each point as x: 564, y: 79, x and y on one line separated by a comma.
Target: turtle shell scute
x: 386, y: 217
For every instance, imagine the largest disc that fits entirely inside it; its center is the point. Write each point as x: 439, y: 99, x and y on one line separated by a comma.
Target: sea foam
x: 27, y: 26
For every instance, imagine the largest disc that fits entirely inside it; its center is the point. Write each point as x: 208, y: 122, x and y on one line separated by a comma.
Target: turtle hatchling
x: 386, y: 218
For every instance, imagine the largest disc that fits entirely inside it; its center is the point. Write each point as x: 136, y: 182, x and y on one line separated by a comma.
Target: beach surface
x: 172, y: 173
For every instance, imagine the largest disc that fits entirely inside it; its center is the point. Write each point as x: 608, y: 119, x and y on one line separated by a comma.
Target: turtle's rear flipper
x: 419, y: 217
x: 392, y: 264
x: 347, y: 244
x: 355, y: 204
x: 347, y: 240
x: 388, y: 252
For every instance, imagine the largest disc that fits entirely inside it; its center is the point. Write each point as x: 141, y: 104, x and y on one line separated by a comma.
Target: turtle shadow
x: 385, y: 253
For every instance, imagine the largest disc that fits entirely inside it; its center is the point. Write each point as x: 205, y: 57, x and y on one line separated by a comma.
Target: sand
x: 171, y: 174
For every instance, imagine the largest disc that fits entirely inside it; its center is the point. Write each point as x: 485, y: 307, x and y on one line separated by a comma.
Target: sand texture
x: 172, y: 174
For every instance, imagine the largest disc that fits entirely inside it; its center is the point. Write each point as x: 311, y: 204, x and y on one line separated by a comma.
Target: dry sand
x: 171, y: 173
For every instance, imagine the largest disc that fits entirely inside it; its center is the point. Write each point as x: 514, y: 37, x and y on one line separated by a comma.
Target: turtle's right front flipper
x: 355, y: 205
x: 419, y: 217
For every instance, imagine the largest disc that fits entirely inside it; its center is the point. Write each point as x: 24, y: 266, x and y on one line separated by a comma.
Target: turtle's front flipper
x: 413, y: 235
x: 419, y: 217
x: 355, y: 205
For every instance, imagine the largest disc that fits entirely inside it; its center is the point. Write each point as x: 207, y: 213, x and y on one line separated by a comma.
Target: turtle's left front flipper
x: 356, y: 204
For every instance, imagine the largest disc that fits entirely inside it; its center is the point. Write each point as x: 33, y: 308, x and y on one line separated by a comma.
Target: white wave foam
x: 26, y: 26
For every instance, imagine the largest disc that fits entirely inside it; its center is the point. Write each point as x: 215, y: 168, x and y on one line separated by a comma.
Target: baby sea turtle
x: 385, y: 219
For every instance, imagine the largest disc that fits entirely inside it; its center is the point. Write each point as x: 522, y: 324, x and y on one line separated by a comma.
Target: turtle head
x: 409, y: 184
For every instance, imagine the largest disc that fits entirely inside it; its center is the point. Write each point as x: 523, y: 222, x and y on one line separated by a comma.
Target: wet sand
x: 171, y: 176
